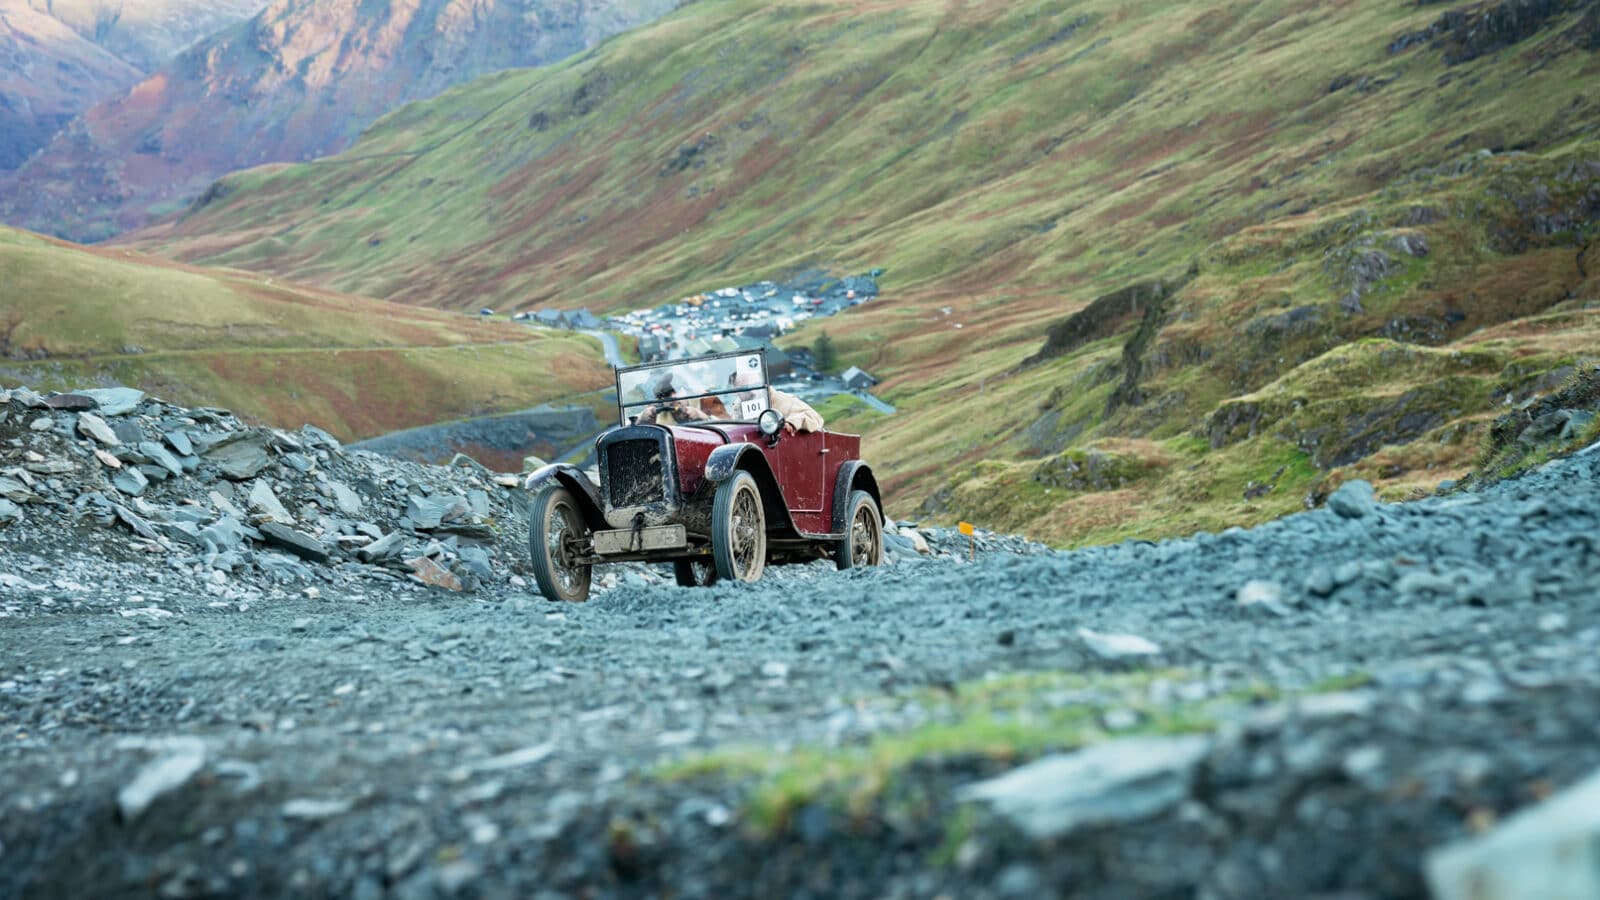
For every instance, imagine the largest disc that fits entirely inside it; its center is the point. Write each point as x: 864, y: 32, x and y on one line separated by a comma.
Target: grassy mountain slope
x: 1012, y: 163
x: 72, y: 316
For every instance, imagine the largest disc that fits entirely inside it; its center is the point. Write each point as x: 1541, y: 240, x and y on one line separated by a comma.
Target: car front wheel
x: 862, y: 544
x: 739, y: 529
x: 555, y: 539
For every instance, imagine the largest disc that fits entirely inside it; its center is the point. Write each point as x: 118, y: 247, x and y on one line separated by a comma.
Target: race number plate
x: 655, y: 537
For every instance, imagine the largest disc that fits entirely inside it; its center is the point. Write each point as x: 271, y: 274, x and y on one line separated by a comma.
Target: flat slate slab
x: 297, y: 542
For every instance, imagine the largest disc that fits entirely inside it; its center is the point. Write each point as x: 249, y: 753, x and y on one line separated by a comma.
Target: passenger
x: 798, y: 416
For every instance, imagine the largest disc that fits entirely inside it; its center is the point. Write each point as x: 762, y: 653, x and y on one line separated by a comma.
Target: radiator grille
x: 635, y: 474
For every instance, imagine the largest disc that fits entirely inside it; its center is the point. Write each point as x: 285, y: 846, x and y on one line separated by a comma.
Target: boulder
x: 1550, y: 851
x: 1353, y: 500
x: 1116, y: 782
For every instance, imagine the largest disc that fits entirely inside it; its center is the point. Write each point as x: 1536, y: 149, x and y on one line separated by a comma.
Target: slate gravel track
x: 393, y: 707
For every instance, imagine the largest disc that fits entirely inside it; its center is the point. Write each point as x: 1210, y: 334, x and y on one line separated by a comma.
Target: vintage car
x: 701, y: 472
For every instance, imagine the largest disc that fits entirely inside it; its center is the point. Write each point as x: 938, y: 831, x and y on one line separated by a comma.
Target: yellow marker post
x: 972, y: 542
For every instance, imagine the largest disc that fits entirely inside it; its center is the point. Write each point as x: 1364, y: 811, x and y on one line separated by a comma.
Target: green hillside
x: 1012, y: 163
x: 284, y: 354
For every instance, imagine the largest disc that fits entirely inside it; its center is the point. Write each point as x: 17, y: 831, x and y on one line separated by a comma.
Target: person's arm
x: 798, y: 416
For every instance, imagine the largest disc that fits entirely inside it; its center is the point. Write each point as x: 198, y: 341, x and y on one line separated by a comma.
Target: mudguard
x: 583, y: 491
x: 730, y: 458
x: 853, y: 475
x: 725, y: 460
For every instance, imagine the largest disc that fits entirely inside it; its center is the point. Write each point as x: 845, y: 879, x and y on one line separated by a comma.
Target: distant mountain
x: 60, y: 57
x: 146, y: 33
x: 48, y: 74
x: 301, y: 79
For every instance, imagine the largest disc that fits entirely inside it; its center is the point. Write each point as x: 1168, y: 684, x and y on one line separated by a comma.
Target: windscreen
x: 726, y: 388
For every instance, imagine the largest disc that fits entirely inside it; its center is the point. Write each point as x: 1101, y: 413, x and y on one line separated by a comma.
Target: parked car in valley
x: 722, y: 491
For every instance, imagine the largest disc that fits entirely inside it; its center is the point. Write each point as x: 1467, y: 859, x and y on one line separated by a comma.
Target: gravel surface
x: 1356, y: 685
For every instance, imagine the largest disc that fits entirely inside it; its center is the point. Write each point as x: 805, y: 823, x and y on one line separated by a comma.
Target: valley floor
x: 1401, y: 676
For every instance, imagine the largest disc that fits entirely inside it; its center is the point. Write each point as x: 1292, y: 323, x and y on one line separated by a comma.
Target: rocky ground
x: 268, y: 664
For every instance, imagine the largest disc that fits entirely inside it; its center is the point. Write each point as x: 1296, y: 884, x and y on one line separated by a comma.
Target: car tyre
x: 862, y: 544
x: 695, y: 572
x: 554, y: 524
x: 739, y: 529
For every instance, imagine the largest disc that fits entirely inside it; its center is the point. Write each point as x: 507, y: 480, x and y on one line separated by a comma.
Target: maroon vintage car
x: 702, y: 472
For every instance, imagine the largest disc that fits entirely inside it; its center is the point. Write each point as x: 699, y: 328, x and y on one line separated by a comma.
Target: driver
x: 667, y: 411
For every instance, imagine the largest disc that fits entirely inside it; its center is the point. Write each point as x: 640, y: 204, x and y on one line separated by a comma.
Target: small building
x: 652, y: 348
x: 550, y: 317
x: 857, y: 380
x: 583, y: 319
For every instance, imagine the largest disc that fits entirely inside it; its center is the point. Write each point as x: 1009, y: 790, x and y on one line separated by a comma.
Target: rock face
x: 300, y: 80
x: 60, y: 57
x: 48, y: 75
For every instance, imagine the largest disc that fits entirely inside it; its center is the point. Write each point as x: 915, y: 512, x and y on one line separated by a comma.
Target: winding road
x: 613, y: 350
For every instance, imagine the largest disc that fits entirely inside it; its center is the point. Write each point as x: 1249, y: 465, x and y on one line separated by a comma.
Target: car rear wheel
x: 555, y: 538
x: 695, y: 572
x: 862, y: 544
x: 739, y: 529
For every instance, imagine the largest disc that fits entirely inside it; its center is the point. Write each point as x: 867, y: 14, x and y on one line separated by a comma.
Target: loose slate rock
x: 115, y: 401
x: 161, y: 457
x: 264, y: 501
x: 1112, y: 783
x: 429, y: 572
x: 299, y: 543
x: 131, y: 481
x: 91, y: 425
x: 1551, y: 850
x: 69, y: 402
x: 179, y: 441
x: 1353, y: 500
x: 242, y: 456
x: 166, y: 773
x: 431, y: 512
x: 1117, y: 646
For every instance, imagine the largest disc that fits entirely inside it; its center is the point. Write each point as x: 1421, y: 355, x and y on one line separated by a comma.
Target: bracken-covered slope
x: 1009, y: 164
x: 277, y: 353
x: 299, y: 80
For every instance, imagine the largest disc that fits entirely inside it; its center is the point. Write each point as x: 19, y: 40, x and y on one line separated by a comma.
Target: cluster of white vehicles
x: 733, y: 310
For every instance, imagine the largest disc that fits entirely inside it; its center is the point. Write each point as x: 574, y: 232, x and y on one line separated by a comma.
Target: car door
x: 800, y: 461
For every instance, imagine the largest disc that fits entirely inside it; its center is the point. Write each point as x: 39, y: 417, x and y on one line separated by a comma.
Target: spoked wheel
x: 556, y: 535
x: 862, y: 544
x: 695, y: 572
x: 739, y: 529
